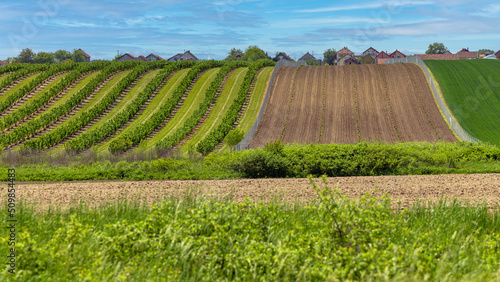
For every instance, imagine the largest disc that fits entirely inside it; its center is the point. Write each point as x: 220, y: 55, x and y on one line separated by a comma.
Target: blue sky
x: 211, y: 28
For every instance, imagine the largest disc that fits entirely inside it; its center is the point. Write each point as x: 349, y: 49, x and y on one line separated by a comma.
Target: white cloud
x: 384, y: 4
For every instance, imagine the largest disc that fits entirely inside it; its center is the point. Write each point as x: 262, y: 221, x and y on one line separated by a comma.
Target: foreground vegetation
x: 197, y: 239
x: 471, y: 89
x: 276, y: 160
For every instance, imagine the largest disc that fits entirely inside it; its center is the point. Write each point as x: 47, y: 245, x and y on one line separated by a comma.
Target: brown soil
x: 390, y: 99
x: 473, y: 188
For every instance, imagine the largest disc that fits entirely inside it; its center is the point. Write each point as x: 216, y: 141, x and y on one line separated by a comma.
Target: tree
x: 62, y: 55
x: 329, y: 56
x: 235, y: 55
x: 254, y: 53
x: 44, y: 58
x: 482, y: 51
x: 26, y: 56
x: 312, y: 63
x: 234, y: 137
x: 78, y: 57
x: 436, y: 48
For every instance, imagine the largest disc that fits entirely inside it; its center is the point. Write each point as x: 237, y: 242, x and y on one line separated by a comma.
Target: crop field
x: 72, y: 108
x: 472, y: 93
x: 351, y: 104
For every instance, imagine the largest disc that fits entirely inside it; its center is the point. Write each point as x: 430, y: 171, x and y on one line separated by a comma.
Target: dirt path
x: 476, y: 188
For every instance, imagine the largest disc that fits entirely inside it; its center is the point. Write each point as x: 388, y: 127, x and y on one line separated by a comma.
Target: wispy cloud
x: 365, y: 6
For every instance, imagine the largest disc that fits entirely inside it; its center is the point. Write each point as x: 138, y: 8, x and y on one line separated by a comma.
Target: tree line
x: 28, y: 56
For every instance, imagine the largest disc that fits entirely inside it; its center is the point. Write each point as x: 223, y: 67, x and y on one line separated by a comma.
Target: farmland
x: 71, y: 108
x: 389, y: 212
x: 349, y: 104
x: 472, y: 92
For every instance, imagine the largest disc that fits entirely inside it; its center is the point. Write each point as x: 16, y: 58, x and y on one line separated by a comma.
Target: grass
x: 41, y: 92
x: 74, y: 90
x: 127, y: 99
x: 472, y: 93
x: 254, y: 104
x: 193, y: 100
x: 155, y: 104
x: 275, y: 161
x: 194, y: 238
x: 17, y: 87
x: 225, y: 100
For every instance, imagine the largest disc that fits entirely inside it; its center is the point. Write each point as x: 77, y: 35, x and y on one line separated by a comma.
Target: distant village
x: 343, y: 57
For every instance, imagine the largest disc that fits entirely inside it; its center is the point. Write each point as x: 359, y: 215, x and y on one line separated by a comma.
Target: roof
x: 306, y: 57
x: 127, y: 54
x: 174, y: 57
x: 84, y: 54
x: 397, y: 51
x: 285, y: 56
x: 142, y: 58
x: 3, y: 63
x: 438, y: 57
x: 381, y: 55
x: 191, y: 54
x: 345, y: 50
x: 371, y: 48
x: 156, y: 56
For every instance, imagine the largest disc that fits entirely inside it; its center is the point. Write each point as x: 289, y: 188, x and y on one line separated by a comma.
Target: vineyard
x: 123, y: 106
x: 351, y: 104
x: 472, y: 92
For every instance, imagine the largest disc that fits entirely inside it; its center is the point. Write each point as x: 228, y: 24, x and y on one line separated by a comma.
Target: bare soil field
x: 387, y: 97
x: 272, y: 122
x: 471, y: 188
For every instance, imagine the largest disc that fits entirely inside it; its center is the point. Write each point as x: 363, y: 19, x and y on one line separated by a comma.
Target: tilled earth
x: 471, y: 188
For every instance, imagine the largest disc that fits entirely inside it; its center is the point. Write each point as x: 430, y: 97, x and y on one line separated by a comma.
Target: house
x: 142, y: 58
x: 282, y: 56
x: 152, y: 57
x: 342, y: 53
x: 175, y: 58
x: 309, y: 57
x: 367, y: 59
x: 465, y: 54
x: 438, y: 56
x: 347, y: 60
x: 126, y: 57
x: 3, y: 63
x: 187, y: 56
x: 497, y: 54
x: 447, y: 52
x: 370, y: 51
x: 87, y: 57
x: 382, y: 57
x: 397, y: 54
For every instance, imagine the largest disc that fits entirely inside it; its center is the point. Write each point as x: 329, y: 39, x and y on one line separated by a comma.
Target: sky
x: 209, y: 29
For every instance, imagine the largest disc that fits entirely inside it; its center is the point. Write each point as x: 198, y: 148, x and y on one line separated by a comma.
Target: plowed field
x: 474, y: 188
x: 388, y: 103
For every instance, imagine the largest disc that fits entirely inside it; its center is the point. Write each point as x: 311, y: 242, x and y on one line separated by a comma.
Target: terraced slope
x: 471, y: 89
x: 163, y: 95
x: 218, y: 109
x: 252, y: 106
x: 192, y: 102
x: 348, y: 104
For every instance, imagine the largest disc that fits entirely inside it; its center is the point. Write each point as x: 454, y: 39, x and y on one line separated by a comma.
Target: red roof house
x: 382, y: 57
x: 142, y: 58
x: 397, y: 54
x: 282, y: 56
x: 497, y: 54
x: 87, y: 56
x: 3, y: 63
x: 465, y: 54
x: 152, y: 57
x: 127, y: 57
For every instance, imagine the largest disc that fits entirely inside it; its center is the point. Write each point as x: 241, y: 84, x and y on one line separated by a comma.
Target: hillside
x: 471, y: 89
x: 350, y: 104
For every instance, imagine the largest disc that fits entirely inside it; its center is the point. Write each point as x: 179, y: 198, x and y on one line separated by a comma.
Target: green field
x: 254, y: 104
x: 192, y: 102
x: 164, y: 94
x: 220, y: 108
x: 193, y: 238
x: 17, y: 87
x: 471, y: 89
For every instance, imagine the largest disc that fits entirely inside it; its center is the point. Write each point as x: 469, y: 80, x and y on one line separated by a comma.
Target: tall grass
x: 194, y: 238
